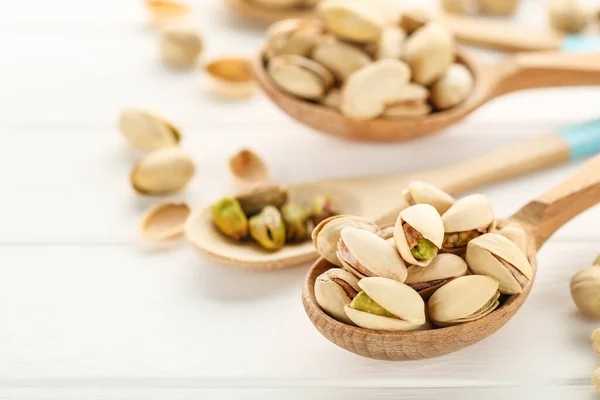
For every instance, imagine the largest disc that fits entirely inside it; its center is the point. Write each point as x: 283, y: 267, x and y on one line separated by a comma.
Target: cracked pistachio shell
x: 368, y: 91
x: 390, y: 43
x: 494, y: 255
x: 411, y: 101
x: 429, y: 51
x: 443, y: 269
x: 464, y: 299
x: 453, y: 87
x: 335, y: 289
x: 257, y: 197
x: 427, y: 222
x: 321, y: 208
x: 300, y: 76
x: 292, y: 36
x: 165, y: 12
x: 338, y: 57
x: 419, y: 192
x: 370, y: 255
x: 469, y: 213
x: 326, y: 234
x: 388, y: 305
x: 585, y: 291
x: 146, y: 131
x: 464, y: 7
x: 568, y: 16
x: 267, y: 228
x: 355, y: 21
x: 164, y: 221
x: 332, y: 99
x: 180, y: 46
x: 498, y: 7
x: 517, y: 235
x: 231, y: 77
x: 162, y: 171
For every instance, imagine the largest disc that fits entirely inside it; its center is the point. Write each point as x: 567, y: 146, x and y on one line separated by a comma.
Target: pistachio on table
x: 295, y: 220
x: 418, y: 234
x: 465, y: 220
x: 300, y: 76
x: 568, y: 16
x: 164, y: 221
x: 452, y: 88
x: 443, y: 269
x: 596, y: 379
x: 596, y: 340
x: 147, y: 131
x: 386, y: 304
x: 180, y: 46
x: 585, y: 290
x: 162, y: 171
x: 335, y: 289
x: 263, y: 194
x: 419, y: 192
x: 342, y: 59
x: 322, y: 207
x: 231, y: 77
x: 229, y: 218
x: 292, y: 36
x: 267, y: 228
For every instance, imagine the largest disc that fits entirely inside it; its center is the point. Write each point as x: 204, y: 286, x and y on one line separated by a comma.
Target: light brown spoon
x: 541, y: 218
x: 264, y: 14
x: 377, y: 198
x: 514, y: 73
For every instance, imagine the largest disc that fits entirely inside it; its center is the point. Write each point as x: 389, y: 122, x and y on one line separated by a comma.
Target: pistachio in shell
x: 335, y: 289
x: 162, y: 171
x: 464, y: 299
x: 300, y: 76
x: 465, y: 220
x: 585, y: 291
x: 260, y: 195
x: 410, y: 102
x: 229, y: 218
x: 517, y: 235
x: 295, y: 219
x: 452, y: 88
x: 322, y: 207
x: 418, y: 234
x: 443, y: 269
x: 354, y: 21
x: 231, y: 77
x: 164, y: 221
x: 568, y: 16
x: 414, y: 18
x: 147, y: 131
x: 180, y: 45
x: 386, y: 304
x: 292, y: 36
x: 268, y: 229
x: 390, y: 43
x: 332, y: 99
x: 496, y: 256
x: 342, y: 59
x: 419, y: 192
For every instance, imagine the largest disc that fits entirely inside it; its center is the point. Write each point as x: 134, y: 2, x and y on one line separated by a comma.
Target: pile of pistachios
x: 367, y: 59
x: 265, y: 214
x: 443, y: 263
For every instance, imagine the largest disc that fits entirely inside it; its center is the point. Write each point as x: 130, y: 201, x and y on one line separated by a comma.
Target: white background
x: 88, y: 311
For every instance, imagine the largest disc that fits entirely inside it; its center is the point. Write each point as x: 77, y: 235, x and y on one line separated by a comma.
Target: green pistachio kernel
x: 268, y: 229
x: 424, y: 250
x: 229, y: 218
x: 362, y: 302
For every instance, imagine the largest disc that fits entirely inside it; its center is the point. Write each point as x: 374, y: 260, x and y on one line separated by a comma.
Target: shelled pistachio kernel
x: 419, y: 192
x: 386, y: 304
x: 452, y: 88
x: 326, y: 235
x: 443, y: 269
x: 411, y: 101
x: 414, y: 18
x: 418, y: 234
x: 164, y: 221
x: 292, y: 36
x: 300, y: 76
x: 335, y: 289
x: 147, y: 131
x: 517, y: 235
x: 180, y: 46
x: 342, y: 59
x: 295, y: 220
x: 496, y: 256
x: 263, y: 194
x: 267, y: 228
x: 162, y: 171
x: 321, y: 208
x: 465, y: 220
x: 568, y: 16
x: 364, y: 253
x: 354, y: 21
x: 231, y: 77
x: 585, y: 291
x: 498, y: 7
x: 229, y: 218
x: 464, y: 299
x: 596, y: 340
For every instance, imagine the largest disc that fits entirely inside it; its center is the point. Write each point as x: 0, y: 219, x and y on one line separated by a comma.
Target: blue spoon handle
x: 583, y: 139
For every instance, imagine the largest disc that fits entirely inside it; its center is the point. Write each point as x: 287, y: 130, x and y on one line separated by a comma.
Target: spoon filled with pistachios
x: 447, y: 275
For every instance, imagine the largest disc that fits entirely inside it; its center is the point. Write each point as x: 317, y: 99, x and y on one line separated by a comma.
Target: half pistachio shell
x: 326, y: 234
x: 410, y: 102
x: 419, y: 192
x: 496, y: 256
x: 164, y: 221
x: 338, y: 57
x: 147, y: 131
x: 180, y: 45
x: 231, y: 77
x: 386, y: 304
x: 355, y: 21
x: 419, y: 228
x: 443, y: 269
x: 467, y: 219
x: 585, y: 291
x: 335, y: 289
x: 391, y: 43
x: 292, y: 36
x: 453, y: 87
x: 300, y: 76
x: 162, y: 171
x: 370, y: 255
x: 165, y: 12
x: 464, y: 299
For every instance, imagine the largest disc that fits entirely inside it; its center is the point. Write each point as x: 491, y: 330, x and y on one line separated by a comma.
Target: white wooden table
x: 86, y: 311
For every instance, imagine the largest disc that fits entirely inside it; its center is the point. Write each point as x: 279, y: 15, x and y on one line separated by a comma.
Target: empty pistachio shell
x: 229, y: 218
x: 418, y: 234
x: 292, y: 36
x: 295, y: 220
x: 585, y: 290
x: 414, y: 18
x: 322, y: 207
x: 496, y: 256
x: 248, y: 168
x: 390, y: 43
x: 517, y: 235
x: 498, y: 7
x: 332, y: 99
x: 268, y: 229
x: 180, y: 45
x: 453, y: 87
x: 468, y: 218
x: 340, y: 58
x: 335, y: 289
x: 369, y: 90
x: 370, y: 254
x: 231, y: 77
x: 458, y: 6
x: 162, y: 171
x: 419, y: 192
x: 262, y: 194
x: 596, y: 340
x: 464, y: 299
x: 568, y: 15
x: 166, y: 11
x: 411, y: 101
x: 443, y: 269
x: 386, y: 304
x: 429, y: 52
x: 355, y: 21
x: 147, y: 131
x: 164, y: 221
x: 300, y: 76
x: 326, y: 235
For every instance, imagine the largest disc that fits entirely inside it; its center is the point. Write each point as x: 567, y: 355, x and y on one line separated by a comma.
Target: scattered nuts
x: 414, y: 18
x: 300, y: 76
x: 517, y: 235
x: 390, y: 43
x: 262, y: 194
x: 453, y: 87
x: 411, y: 101
x: 355, y: 21
x: 322, y: 208
x: 332, y: 99
x: 295, y: 220
x: 467, y: 219
x: 340, y: 58
x: 166, y: 11
x: 164, y: 221
x: 267, y: 228
x: 585, y: 290
x: 568, y: 15
x: 231, y: 78
x: 498, y: 7
x: 248, y: 168
x: 292, y: 36
x: 418, y: 234
x: 419, y: 192
x: 180, y: 46
x: 147, y: 131
x: 443, y: 269
x: 335, y: 289
x: 162, y: 171
x: 229, y: 218
x: 464, y: 7
x: 596, y: 340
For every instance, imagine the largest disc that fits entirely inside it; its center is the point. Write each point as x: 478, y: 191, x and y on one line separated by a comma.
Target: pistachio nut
x: 322, y: 207
x: 338, y: 57
x: 180, y: 46
x: 414, y: 18
x: 335, y: 289
x: 517, y: 235
x: 165, y: 12
x: 410, y: 102
x: 585, y: 291
x: 162, y: 171
x: 390, y: 43
x: 260, y: 195
x: 419, y: 192
x: 292, y: 36
x: 355, y: 21
x: 429, y: 51
x: 332, y: 99
x: 498, y: 7
x: 464, y: 299
x: 596, y: 379
x: 453, y: 87
x: 496, y: 256
x: 596, y: 340
x: 267, y: 228
x: 368, y: 91
x: 443, y: 269
x: 386, y: 304
x: 300, y: 76
x: 418, y: 234
x: 568, y: 16
x: 229, y: 218
x: 467, y: 219
x: 370, y: 255
x: 231, y: 77
x: 295, y: 220
x: 146, y: 131
x: 164, y: 221
x: 464, y: 7
x: 326, y: 235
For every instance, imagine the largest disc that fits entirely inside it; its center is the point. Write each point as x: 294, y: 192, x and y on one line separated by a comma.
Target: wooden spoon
x: 514, y: 73
x: 541, y: 218
x: 264, y: 14
x: 380, y: 198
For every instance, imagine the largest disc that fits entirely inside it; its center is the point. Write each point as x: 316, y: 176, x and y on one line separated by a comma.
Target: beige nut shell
x: 292, y: 36
x: 585, y: 291
x: 352, y: 20
x: 426, y: 220
x: 342, y: 59
x: 162, y: 171
x: 468, y: 213
x: 330, y: 296
x: 419, y: 192
x: 391, y: 43
x: 568, y: 15
x: 164, y: 221
x: 517, y: 235
x: 444, y: 266
x: 147, y: 131
x: 231, y: 77
x: 452, y: 88
x: 300, y: 76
